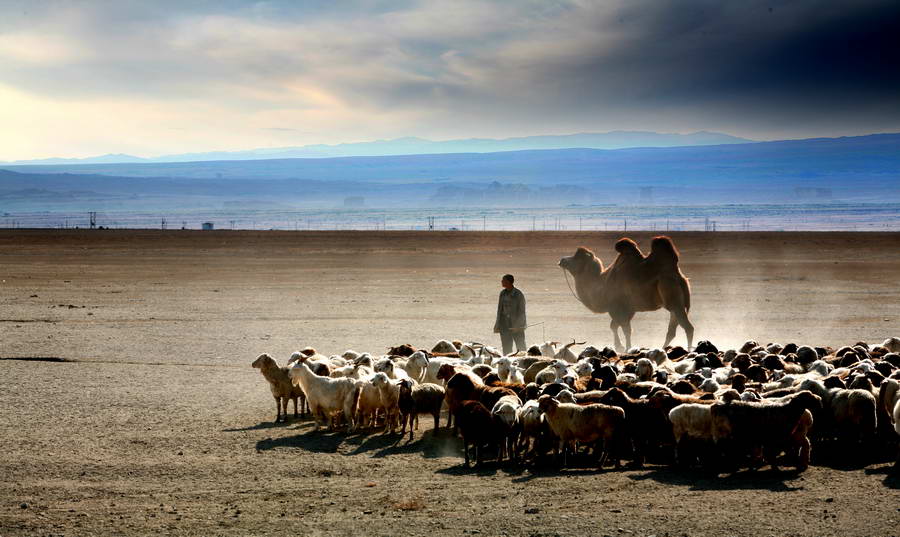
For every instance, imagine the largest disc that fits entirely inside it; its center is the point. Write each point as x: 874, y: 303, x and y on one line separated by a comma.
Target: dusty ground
x: 161, y: 426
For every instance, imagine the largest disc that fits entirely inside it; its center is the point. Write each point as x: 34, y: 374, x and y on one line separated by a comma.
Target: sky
x: 82, y: 78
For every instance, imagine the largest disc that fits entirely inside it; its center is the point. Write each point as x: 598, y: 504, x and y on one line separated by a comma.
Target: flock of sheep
x: 722, y: 410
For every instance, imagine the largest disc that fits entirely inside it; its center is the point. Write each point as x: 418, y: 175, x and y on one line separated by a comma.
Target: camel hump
x: 626, y: 246
x: 663, y: 248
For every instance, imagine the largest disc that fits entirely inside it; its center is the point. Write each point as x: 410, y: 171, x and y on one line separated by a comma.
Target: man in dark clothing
x: 511, y: 316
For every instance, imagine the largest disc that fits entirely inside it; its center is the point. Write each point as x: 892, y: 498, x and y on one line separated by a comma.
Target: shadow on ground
x: 891, y: 475
x: 771, y: 480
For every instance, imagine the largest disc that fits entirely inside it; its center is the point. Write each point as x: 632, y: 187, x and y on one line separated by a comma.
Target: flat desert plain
x: 151, y: 421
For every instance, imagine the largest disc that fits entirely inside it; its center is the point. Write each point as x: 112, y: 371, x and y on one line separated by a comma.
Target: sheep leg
x: 294, y: 399
x: 466, y: 451
x: 317, y: 413
x: 277, y: 409
x: 805, y: 451
x: 437, y: 420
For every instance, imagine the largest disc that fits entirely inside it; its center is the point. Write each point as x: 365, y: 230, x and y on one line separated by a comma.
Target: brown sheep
x: 477, y: 427
x: 418, y: 399
x: 281, y: 386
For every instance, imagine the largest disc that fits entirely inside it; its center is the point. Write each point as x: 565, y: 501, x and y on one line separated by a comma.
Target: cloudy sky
x: 80, y: 78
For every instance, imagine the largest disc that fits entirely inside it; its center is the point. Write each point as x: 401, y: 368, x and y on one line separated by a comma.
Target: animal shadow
x: 314, y: 441
x: 891, y: 475
x: 700, y: 480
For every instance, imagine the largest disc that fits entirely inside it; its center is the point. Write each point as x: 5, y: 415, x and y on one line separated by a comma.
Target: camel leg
x: 673, y: 325
x: 614, y: 326
x: 626, y: 331
x: 685, y: 323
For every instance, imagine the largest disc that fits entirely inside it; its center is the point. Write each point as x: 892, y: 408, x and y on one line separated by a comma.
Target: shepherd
x: 510, y: 322
x: 633, y: 283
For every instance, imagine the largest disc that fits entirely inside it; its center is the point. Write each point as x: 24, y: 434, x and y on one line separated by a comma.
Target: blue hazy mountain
x: 863, y: 168
x: 421, y: 146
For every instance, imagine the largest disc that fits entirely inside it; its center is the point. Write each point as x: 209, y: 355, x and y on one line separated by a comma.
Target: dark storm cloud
x: 767, y: 66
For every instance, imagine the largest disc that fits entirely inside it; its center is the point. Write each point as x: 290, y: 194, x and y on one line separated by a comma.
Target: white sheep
x: 337, y: 361
x: 390, y: 397
x: 345, y: 371
x: 690, y: 421
x: 585, y: 424
x: 434, y: 364
x: 583, y: 368
x: 552, y: 373
x: 368, y: 404
x: 548, y: 348
x: 504, y: 414
x: 416, y: 365
x: 504, y: 367
x: 820, y: 368
x: 444, y: 346
x: 387, y: 366
x: 468, y: 352
x: 853, y: 411
x: 892, y: 344
x: 326, y: 396
x: 565, y: 354
x: 709, y: 386
x: 644, y: 369
x: 657, y: 356
x: 532, y: 427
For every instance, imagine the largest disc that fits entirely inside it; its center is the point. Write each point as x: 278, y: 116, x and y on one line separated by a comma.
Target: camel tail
x: 662, y: 247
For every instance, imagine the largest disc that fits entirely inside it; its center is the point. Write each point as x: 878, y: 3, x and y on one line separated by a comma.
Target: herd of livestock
x: 758, y: 404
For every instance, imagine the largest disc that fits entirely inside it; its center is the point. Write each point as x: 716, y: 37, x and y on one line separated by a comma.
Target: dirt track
x: 162, y: 426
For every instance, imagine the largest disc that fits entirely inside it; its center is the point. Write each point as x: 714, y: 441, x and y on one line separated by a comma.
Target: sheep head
x: 547, y: 402
x: 808, y: 400
x: 263, y: 361
x: 379, y: 380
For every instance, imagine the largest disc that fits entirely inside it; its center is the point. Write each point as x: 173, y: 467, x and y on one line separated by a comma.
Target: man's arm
x: 497, y: 322
x: 519, y: 319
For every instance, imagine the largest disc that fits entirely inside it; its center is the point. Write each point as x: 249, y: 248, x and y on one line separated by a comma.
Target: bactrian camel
x: 633, y: 283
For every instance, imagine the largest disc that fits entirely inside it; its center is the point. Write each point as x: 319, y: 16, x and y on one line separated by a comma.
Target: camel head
x: 582, y: 260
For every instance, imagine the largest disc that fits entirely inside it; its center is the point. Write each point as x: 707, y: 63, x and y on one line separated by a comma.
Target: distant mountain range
x: 421, y: 146
x: 852, y: 169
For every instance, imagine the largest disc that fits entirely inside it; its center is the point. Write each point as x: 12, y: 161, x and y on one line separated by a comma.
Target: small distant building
x: 354, y: 201
x: 207, y: 226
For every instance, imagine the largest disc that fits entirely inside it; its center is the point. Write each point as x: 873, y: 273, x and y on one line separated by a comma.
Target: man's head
x: 507, y: 281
